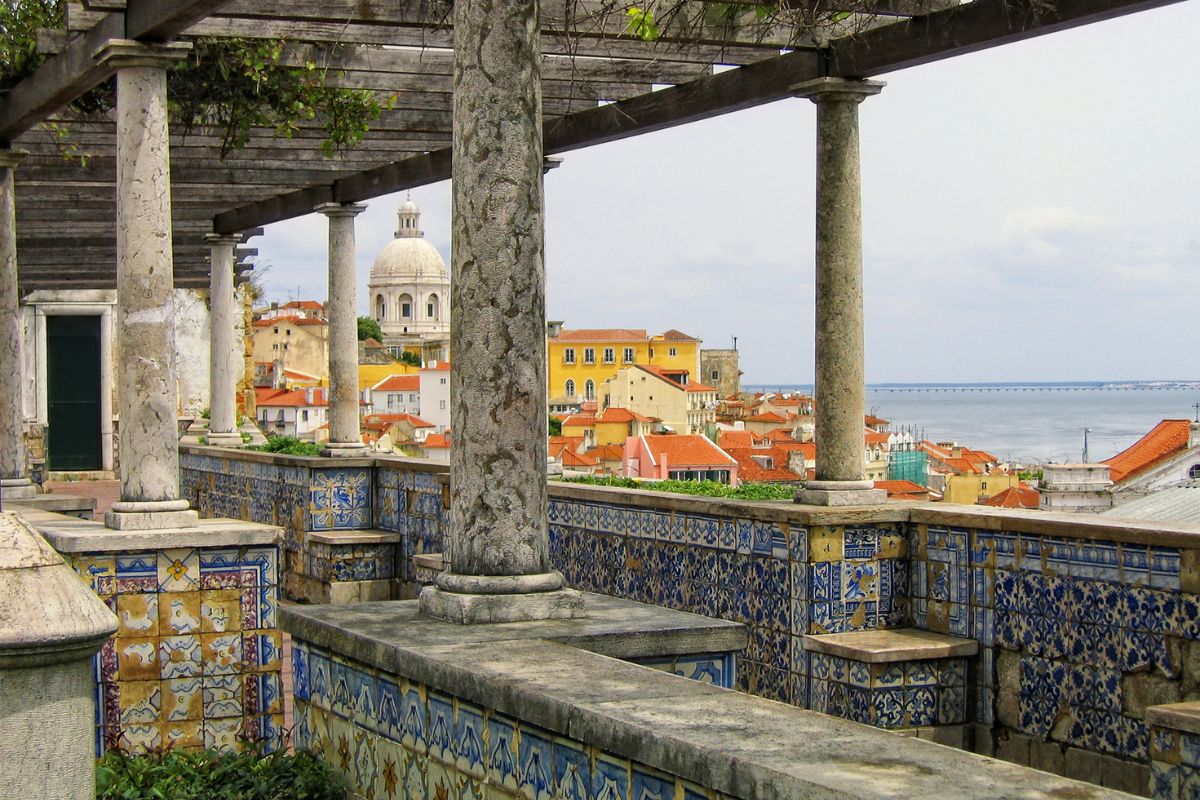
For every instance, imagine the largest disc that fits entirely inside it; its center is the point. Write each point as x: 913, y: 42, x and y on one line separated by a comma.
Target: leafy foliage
x: 746, y: 491
x: 640, y: 23
x: 19, y: 22
x: 288, y: 446
x: 410, y: 358
x: 555, y: 426
x: 369, y: 329
x: 209, y: 775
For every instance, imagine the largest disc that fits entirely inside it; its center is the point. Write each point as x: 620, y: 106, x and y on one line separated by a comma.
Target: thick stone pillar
x: 146, y: 374
x: 499, y: 544
x: 14, y: 476
x: 225, y: 357
x: 840, y: 391
x: 345, y: 433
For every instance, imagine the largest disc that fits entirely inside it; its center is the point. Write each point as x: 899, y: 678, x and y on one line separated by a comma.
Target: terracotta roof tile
x: 399, y: 383
x: 686, y: 450
x: 388, y: 419
x: 602, y: 335
x: 580, y: 421
x: 1020, y: 496
x: 611, y: 415
x: 441, y: 366
x: 298, y: 398
x: 437, y: 441
x: 1163, y: 441
x: 874, y: 421
x: 768, y: 416
x: 678, y: 336
x: 609, y: 452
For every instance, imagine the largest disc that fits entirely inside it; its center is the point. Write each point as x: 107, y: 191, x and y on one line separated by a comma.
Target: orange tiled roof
x: 399, y: 383
x: 609, y: 452
x: 686, y: 450
x: 442, y: 366
x: 570, y: 458
x: 699, y: 387
x: 768, y: 416
x: 678, y: 336
x: 1020, y: 496
x: 602, y: 335
x: 296, y: 374
x: 872, y: 421
x: 305, y: 304
x: 388, y: 419
x: 728, y: 439
x: 574, y: 442
x: 1163, y: 441
x: 437, y: 441
x: 620, y: 415
x: 874, y: 437
x: 297, y: 398
x: 781, y: 436
x: 903, y: 490
x: 580, y: 420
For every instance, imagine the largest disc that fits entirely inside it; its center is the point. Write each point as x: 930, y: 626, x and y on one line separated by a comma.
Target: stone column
x: 345, y: 435
x: 225, y: 358
x: 14, y: 474
x: 146, y: 375
x: 840, y: 391
x: 499, y: 544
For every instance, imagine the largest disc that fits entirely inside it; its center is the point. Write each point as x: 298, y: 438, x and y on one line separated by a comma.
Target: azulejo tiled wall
x: 415, y: 504
x: 394, y: 738
x: 719, y: 669
x: 195, y: 662
x: 1075, y: 634
x: 890, y: 695
x: 781, y: 579
x: 1174, y: 764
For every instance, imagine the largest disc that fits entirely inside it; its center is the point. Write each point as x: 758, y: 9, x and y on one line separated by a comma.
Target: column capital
x: 228, y: 239
x: 551, y: 162
x: 9, y: 159
x: 340, y: 209
x: 851, y: 90
x: 121, y: 53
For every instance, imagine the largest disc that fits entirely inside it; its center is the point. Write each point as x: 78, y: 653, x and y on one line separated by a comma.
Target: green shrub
x: 210, y: 775
x: 747, y: 491
x: 288, y: 446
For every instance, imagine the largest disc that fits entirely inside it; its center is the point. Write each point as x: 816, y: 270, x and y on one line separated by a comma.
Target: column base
x: 223, y: 439
x: 841, y: 493
x: 150, y: 515
x: 343, y: 450
x: 17, y: 489
x: 484, y: 599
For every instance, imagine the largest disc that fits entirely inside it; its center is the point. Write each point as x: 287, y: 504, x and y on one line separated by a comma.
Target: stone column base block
x: 149, y: 520
x: 812, y: 496
x: 343, y: 450
x: 223, y: 439
x: 500, y: 584
x: 477, y: 609
x: 17, y: 489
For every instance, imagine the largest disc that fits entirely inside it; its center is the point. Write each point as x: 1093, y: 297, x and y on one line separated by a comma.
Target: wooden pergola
x: 597, y: 81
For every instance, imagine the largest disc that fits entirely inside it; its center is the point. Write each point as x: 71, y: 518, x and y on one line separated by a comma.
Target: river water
x: 1029, y: 423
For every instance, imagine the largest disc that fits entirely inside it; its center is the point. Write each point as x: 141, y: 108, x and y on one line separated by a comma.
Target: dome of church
x: 409, y: 256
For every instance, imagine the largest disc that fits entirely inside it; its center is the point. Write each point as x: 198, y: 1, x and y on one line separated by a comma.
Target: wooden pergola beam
x: 74, y: 71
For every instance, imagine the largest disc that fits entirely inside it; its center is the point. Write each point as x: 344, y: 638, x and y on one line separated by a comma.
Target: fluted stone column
x: 345, y: 434
x: 14, y: 478
x: 500, y: 567
x: 840, y: 390
x: 225, y: 357
x: 146, y: 374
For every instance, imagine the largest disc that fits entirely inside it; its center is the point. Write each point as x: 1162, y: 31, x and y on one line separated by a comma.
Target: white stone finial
x: 409, y: 224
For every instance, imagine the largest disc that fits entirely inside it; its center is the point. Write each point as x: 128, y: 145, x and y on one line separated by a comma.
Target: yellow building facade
x: 580, y: 361
x: 970, y: 489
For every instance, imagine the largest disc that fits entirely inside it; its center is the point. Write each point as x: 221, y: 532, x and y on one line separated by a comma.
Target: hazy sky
x: 1030, y: 212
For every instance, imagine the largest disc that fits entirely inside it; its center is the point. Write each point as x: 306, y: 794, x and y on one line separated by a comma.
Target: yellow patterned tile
x: 182, y: 700
x: 220, y: 610
x: 825, y: 543
x: 137, y: 615
x: 141, y: 702
x: 179, y: 612
x: 187, y: 735
x: 137, y: 658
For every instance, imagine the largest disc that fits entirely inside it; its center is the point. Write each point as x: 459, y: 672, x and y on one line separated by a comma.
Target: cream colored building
x: 300, y: 344
x: 683, y: 405
x: 409, y: 289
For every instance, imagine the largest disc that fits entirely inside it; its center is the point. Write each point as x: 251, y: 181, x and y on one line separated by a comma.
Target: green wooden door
x: 73, y: 393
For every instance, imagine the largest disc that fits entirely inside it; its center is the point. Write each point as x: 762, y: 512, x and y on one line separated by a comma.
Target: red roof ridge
x: 1163, y: 441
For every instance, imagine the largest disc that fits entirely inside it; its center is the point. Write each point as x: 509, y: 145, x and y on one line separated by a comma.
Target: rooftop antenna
x: 1086, y: 431
x: 1197, y: 407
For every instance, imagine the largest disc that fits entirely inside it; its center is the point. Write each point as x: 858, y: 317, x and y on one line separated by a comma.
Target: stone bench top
x: 1176, y: 716
x: 885, y: 646
x: 740, y: 745
x: 72, y: 535
x: 429, y: 561
x: 351, y: 538
x: 53, y: 502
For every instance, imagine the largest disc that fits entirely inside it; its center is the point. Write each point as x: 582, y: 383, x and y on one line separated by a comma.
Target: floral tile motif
x: 179, y: 657
x: 340, y: 499
x: 178, y: 570
x: 502, y: 752
x: 536, y: 753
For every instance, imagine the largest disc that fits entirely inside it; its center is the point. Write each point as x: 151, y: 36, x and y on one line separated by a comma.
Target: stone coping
x: 1065, y: 525
x: 238, y: 454
x: 885, y: 646
x: 735, y: 743
x: 71, y: 535
x: 1176, y: 716
x: 429, y: 561
x: 351, y: 538
x: 53, y: 502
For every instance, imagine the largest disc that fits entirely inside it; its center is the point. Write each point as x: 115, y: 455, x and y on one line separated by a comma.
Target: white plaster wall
x: 435, y: 399
x: 192, y: 350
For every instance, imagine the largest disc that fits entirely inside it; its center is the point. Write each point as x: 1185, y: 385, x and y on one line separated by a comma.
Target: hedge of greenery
x: 210, y: 775
x: 746, y: 491
x: 288, y: 446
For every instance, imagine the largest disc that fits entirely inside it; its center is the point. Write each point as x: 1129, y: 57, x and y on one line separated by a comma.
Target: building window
x: 589, y: 390
x: 443, y: 384
x: 609, y: 356
x: 714, y: 375
x: 442, y: 405
x: 304, y: 414
x: 671, y: 352
x: 433, y: 307
x: 570, y: 388
x: 589, y: 355
x: 569, y: 355
x: 628, y: 355
x: 1194, y: 472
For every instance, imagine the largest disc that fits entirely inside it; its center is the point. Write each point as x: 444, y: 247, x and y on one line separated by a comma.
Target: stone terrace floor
x: 105, y: 492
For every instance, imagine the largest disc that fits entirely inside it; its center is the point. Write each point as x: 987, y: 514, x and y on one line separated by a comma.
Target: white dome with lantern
x: 409, y: 290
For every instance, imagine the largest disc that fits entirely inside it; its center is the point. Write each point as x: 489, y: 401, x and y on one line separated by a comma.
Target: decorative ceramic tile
x: 859, y: 580
x: 340, y: 499
x: 610, y: 778
x: 137, y: 658
x: 502, y: 752
x: 141, y: 702
x: 137, y: 615
x: 178, y: 570
x: 440, y: 733
x: 651, y: 785
x: 572, y: 771
x: 222, y: 696
x: 536, y: 756
x: 222, y: 734
x: 220, y: 610
x: 221, y: 653
x: 179, y: 656
x: 182, y: 700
